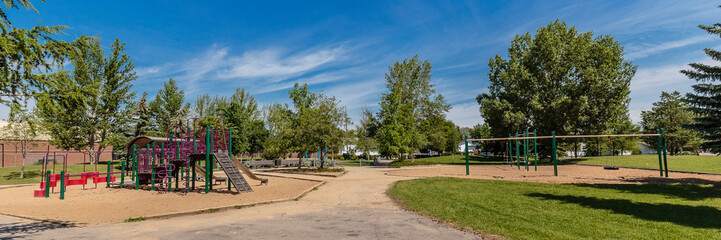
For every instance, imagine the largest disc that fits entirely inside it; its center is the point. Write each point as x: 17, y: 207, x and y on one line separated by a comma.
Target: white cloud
x: 667, y: 46
x: 315, y: 79
x: 145, y: 71
x: 465, y: 114
x: 272, y: 63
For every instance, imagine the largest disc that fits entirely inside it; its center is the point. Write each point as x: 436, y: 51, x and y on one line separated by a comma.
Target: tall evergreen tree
x: 671, y: 114
x: 706, y: 99
x: 166, y: 107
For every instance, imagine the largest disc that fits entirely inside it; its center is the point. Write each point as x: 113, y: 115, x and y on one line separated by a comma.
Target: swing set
x: 522, y: 141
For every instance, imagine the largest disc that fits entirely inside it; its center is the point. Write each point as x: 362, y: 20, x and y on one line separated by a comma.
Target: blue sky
x: 344, y: 48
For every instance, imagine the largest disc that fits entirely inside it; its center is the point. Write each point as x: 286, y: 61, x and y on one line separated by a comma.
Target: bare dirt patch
x: 566, y: 174
x: 112, y: 205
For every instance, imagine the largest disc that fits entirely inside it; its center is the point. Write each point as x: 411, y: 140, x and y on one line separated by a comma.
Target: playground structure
x: 169, y: 164
x: 527, y: 136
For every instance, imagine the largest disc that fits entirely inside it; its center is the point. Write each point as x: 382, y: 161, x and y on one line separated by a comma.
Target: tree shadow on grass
x: 19, y: 230
x: 691, y: 216
x: 684, y: 190
x: 15, y: 175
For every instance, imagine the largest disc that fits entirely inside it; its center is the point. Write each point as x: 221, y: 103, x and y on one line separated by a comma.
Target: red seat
x: 39, y: 192
x: 103, y: 179
x: 80, y: 181
x: 52, y: 184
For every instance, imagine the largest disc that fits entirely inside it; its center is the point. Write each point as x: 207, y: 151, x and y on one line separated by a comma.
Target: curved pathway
x: 353, y: 206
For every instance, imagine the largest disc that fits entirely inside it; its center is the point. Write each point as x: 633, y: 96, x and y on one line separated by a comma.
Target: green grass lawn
x: 460, y: 159
x: 523, y: 210
x: 11, y: 175
x: 710, y: 164
x: 355, y: 163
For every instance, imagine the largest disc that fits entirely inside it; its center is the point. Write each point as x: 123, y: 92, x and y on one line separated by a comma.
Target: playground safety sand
x: 566, y: 174
x: 112, y: 205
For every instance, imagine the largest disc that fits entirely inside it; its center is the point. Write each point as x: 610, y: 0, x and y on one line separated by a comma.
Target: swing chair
x: 611, y: 166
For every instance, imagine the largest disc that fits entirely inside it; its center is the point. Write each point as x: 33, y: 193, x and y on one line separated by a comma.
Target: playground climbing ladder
x: 234, y: 175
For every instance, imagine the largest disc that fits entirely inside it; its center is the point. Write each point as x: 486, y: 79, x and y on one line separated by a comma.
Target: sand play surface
x: 566, y: 174
x: 112, y: 205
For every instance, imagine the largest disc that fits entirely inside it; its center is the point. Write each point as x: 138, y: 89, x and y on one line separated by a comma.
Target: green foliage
x: 365, y: 134
x: 279, y: 120
x: 482, y: 131
x: 242, y: 114
x: 558, y: 80
x: 25, y: 54
x: 137, y: 219
x: 22, y: 127
x: 88, y: 105
x: 704, y: 100
x: 167, y: 108
x: 671, y: 114
x: 141, y: 116
x: 316, y: 121
x: 526, y: 210
x: 410, y: 107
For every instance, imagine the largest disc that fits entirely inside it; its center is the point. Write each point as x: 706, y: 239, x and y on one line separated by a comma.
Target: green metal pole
x: 659, y: 150
x: 152, y: 179
x: 107, y: 175
x: 162, y: 154
x: 553, y: 153
x: 525, y: 148
x: 47, y: 183
x: 122, y: 173
x: 665, y: 162
x: 180, y: 170
x: 62, y: 185
x: 170, y: 183
x: 518, y: 153
x: 535, y: 151
x: 230, y: 151
x: 510, y: 149
x: 465, y: 137
x: 207, y: 157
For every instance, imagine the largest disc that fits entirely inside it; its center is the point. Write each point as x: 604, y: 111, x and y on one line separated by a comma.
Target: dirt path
x: 352, y: 206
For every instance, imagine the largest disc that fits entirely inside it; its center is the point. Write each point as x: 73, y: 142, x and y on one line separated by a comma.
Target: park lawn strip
x: 691, y: 163
x: 460, y: 159
x: 355, y: 163
x: 526, y: 210
x: 11, y: 175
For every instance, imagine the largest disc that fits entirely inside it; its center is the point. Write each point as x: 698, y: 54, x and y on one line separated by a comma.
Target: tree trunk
x: 322, y: 157
x: 22, y: 169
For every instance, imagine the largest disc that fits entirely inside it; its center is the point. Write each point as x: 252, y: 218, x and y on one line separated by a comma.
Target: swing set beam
x: 662, y: 161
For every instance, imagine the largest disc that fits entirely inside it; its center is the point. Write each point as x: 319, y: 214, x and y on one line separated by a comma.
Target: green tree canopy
x: 557, y: 80
x: 86, y: 108
x: 410, y: 103
x: 26, y: 54
x: 671, y: 114
x: 166, y: 107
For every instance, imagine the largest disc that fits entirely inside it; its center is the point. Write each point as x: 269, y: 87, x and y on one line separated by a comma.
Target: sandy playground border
x: 112, y: 205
